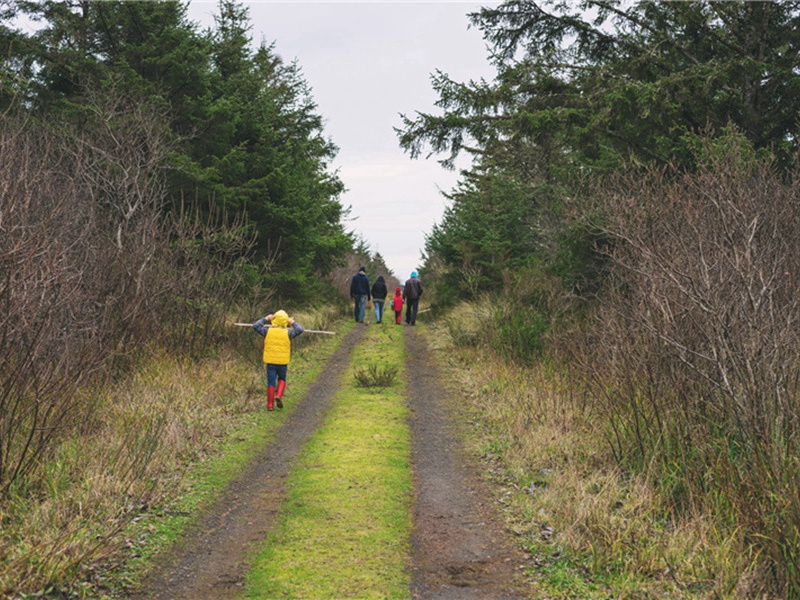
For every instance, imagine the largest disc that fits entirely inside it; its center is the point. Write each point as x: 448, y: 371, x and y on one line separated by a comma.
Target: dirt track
x: 460, y: 549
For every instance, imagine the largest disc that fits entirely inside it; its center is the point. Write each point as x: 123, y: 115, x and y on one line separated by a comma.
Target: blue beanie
x: 413, y: 273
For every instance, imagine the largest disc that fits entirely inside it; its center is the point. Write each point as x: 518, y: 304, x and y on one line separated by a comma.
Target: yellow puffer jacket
x: 277, y: 346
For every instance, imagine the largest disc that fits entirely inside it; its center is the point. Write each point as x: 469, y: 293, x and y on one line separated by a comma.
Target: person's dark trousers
x: 411, y: 311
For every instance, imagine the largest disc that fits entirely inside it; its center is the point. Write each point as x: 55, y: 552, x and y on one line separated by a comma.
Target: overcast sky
x: 367, y: 62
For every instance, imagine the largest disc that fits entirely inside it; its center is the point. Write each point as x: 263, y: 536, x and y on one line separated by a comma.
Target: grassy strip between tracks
x: 345, y: 527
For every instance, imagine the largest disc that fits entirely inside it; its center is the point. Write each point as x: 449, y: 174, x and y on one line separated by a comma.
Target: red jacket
x: 397, y: 302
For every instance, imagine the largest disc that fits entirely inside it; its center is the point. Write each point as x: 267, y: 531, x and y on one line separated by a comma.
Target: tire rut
x: 211, y: 560
x: 460, y: 548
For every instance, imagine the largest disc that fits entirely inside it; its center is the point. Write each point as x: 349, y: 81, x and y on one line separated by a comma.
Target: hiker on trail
x: 379, y: 293
x: 411, y: 294
x: 397, y: 305
x: 278, y: 330
x: 359, y: 292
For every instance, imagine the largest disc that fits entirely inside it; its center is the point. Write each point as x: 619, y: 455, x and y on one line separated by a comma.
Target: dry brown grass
x: 568, y: 502
x: 142, y: 435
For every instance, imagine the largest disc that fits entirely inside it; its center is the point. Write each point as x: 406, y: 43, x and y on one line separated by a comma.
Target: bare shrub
x: 206, y: 273
x: 92, y: 269
x: 50, y: 341
x: 94, y: 273
x: 695, y: 357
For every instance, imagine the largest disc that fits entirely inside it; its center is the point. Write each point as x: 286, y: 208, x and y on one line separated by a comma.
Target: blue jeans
x: 275, y: 372
x: 378, y: 310
x: 360, y: 305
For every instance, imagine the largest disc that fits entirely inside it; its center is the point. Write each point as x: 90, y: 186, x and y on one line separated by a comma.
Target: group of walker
x: 361, y: 293
x: 279, y: 329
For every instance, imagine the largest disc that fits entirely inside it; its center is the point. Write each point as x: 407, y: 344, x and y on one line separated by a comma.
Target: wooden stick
x: 304, y: 330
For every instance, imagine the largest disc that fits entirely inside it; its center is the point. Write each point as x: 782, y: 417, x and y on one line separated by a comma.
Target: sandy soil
x: 460, y: 548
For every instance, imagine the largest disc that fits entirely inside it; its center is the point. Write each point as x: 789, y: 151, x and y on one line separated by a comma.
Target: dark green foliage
x: 522, y: 334
x: 490, y: 230
x: 597, y: 82
x: 246, y: 136
x: 584, y: 89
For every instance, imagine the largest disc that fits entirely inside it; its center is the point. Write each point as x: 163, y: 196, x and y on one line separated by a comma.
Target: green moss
x: 345, y: 528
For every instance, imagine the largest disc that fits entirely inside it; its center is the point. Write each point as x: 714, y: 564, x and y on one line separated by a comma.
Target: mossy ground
x: 345, y: 528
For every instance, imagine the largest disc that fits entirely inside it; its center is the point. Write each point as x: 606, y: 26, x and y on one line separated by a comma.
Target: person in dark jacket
x: 379, y: 292
x: 360, y: 293
x: 411, y: 294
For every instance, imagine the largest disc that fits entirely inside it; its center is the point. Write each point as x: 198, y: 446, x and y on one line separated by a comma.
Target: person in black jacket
x: 379, y: 292
x: 359, y: 292
x: 411, y: 294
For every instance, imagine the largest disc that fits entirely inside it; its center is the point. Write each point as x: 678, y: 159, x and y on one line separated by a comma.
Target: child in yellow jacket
x: 279, y: 330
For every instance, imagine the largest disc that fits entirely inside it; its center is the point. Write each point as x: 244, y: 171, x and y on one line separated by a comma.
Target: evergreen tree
x: 601, y: 81
x: 244, y: 126
x: 581, y: 90
x: 266, y: 155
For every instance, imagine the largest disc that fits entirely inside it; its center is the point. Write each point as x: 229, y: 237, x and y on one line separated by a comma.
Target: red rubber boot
x: 279, y: 396
x: 271, y: 398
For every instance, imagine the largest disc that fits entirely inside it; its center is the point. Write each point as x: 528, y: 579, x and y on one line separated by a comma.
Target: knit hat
x: 413, y: 273
x: 280, y: 318
x: 362, y: 270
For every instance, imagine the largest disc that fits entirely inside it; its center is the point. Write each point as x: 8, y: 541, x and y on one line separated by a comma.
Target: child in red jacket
x: 397, y: 305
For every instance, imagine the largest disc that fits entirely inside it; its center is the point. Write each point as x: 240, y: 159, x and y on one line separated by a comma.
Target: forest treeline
x: 631, y: 213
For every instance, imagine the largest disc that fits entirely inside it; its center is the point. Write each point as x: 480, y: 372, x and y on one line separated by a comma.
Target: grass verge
x: 130, y: 478
x: 588, y: 530
x: 345, y: 527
